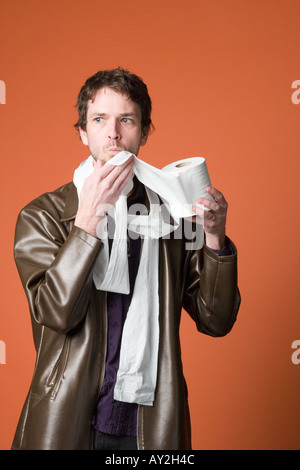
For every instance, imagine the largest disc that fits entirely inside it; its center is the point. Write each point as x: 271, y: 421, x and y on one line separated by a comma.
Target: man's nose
x: 113, y: 131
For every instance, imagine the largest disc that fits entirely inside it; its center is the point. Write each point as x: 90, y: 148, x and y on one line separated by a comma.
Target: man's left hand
x: 214, y: 219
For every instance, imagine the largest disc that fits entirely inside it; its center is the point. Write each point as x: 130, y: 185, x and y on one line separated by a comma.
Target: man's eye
x: 98, y: 119
x: 127, y: 120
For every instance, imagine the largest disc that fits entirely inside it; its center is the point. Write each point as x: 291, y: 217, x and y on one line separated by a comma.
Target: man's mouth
x: 114, y: 150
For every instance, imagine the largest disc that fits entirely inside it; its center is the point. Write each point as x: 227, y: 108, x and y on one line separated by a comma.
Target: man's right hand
x: 100, y: 190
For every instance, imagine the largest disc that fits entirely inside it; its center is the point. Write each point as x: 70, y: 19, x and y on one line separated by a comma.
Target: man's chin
x: 104, y: 157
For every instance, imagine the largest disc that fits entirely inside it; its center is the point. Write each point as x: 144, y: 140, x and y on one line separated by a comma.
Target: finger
x: 100, y: 169
x: 217, y: 195
x: 194, y: 219
x: 127, y: 162
x: 117, y: 178
x: 123, y: 182
x: 125, y: 174
x: 121, y: 178
x: 199, y: 211
x: 210, y: 205
x: 113, y: 171
x: 98, y: 164
x: 210, y: 216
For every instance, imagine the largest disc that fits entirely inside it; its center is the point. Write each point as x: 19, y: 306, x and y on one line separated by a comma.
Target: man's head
x: 114, y: 110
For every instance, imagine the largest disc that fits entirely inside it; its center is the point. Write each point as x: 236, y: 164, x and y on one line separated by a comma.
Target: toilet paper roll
x: 179, y: 184
x: 190, y: 178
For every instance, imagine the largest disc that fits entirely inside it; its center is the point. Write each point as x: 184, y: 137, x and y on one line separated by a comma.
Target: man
x: 78, y: 327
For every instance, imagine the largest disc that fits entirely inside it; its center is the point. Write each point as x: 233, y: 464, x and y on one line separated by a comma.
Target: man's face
x: 113, y: 124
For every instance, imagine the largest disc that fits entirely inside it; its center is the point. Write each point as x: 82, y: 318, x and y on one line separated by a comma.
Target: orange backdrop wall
x: 220, y: 74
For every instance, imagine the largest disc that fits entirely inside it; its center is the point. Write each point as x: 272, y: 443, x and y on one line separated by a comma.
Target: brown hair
x: 119, y: 80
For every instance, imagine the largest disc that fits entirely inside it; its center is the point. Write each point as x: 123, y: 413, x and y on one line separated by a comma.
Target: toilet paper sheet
x: 179, y: 184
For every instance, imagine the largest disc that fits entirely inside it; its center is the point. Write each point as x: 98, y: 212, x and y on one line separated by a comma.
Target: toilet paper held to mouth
x: 179, y: 184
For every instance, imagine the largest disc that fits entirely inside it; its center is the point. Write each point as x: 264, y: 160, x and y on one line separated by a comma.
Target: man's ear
x: 83, y: 136
x: 144, y: 139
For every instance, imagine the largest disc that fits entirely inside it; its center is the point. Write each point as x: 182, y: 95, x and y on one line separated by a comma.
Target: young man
x: 78, y: 328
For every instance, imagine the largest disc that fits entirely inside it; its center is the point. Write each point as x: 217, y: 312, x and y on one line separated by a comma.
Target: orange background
x: 220, y: 74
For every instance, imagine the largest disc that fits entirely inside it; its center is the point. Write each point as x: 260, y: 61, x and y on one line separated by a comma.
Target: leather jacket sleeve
x: 211, y: 294
x: 55, y: 266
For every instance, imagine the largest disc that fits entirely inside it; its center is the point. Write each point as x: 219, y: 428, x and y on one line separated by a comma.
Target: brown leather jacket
x: 55, y: 259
